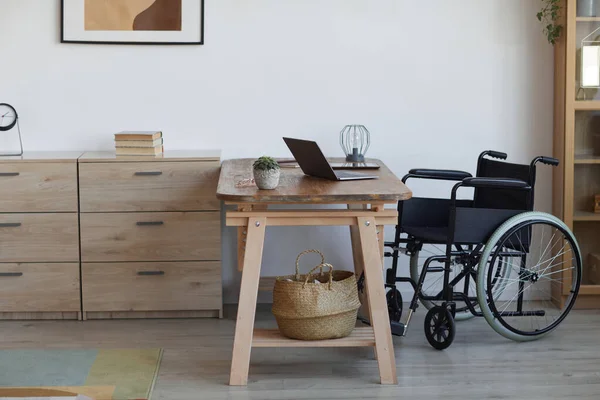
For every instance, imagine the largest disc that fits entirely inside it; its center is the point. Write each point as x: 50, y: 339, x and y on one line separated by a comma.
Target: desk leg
x: 244, y: 327
x: 381, y: 239
x: 380, y: 320
x: 359, y: 267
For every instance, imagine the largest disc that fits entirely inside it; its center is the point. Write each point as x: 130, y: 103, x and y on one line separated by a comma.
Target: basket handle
x: 307, y: 252
x: 320, y: 266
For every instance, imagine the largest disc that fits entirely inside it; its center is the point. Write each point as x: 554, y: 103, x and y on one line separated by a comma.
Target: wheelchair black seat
x: 428, y: 234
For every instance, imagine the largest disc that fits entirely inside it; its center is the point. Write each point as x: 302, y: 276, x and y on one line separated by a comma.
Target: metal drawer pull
x: 10, y: 225
x: 150, y: 273
x: 10, y: 274
x: 9, y: 174
x: 150, y: 223
x: 148, y: 173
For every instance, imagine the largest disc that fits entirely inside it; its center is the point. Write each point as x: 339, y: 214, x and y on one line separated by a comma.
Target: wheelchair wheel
x: 434, y: 280
x: 394, y: 304
x: 439, y: 327
x: 545, y: 261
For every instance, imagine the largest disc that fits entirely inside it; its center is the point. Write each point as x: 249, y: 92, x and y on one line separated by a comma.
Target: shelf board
x: 589, y: 289
x: 586, y: 216
x: 585, y: 159
x: 588, y: 19
x: 360, y: 337
x: 587, y: 105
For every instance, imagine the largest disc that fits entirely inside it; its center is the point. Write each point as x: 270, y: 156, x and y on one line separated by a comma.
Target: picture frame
x: 83, y: 22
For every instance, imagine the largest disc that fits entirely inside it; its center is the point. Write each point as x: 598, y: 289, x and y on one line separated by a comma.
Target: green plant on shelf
x: 549, y: 16
x: 265, y: 163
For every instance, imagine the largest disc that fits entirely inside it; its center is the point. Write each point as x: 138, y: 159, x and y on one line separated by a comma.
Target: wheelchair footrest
x: 398, y: 328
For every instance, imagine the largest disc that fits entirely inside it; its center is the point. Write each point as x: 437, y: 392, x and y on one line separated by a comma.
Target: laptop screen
x: 310, y: 158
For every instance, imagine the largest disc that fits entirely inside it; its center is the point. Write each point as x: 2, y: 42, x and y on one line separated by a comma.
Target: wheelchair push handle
x: 495, y: 154
x: 547, y: 160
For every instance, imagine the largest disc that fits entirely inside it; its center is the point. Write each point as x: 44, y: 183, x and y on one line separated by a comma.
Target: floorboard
x: 479, y: 365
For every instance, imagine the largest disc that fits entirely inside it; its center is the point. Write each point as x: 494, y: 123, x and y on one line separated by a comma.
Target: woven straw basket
x: 316, y: 311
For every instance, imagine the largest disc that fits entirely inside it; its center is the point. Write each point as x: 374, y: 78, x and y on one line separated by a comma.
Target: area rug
x: 116, y: 374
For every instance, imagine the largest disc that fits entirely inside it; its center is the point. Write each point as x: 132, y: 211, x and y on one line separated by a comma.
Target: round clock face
x: 8, y: 117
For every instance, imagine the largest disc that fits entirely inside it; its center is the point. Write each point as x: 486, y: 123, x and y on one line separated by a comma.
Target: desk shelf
x: 360, y: 337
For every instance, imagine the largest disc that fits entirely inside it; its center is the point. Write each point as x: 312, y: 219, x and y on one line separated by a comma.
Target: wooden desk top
x: 295, y: 187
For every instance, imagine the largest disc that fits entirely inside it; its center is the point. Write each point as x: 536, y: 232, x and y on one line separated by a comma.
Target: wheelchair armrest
x: 501, y: 183
x: 439, y: 174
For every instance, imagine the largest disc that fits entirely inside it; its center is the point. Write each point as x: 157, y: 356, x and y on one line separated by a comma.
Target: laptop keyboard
x: 345, y: 174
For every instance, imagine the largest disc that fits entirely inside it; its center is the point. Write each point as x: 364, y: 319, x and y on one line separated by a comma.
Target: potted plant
x: 549, y: 16
x: 266, y: 173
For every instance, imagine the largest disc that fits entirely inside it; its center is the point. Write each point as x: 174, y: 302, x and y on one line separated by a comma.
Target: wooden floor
x: 479, y: 365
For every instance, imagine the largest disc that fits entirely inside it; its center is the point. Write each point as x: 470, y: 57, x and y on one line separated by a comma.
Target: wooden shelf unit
x: 577, y: 145
x: 588, y: 19
x: 585, y: 159
x: 586, y: 105
x: 581, y: 216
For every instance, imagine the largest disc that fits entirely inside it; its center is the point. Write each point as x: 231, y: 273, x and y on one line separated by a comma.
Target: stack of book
x: 139, y: 143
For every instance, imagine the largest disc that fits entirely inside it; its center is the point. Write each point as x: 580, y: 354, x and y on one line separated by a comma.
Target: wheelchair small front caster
x: 439, y: 327
x: 394, y: 304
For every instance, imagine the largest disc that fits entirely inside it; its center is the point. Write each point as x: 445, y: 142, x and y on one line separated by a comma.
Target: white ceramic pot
x: 266, y: 179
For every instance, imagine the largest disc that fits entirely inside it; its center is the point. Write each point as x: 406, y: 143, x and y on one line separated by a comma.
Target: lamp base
x: 358, y: 158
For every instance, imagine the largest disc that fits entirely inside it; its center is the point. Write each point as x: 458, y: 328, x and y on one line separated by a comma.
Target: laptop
x: 313, y: 162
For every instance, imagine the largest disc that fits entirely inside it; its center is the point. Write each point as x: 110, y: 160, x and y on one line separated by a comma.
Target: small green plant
x: 549, y: 16
x: 265, y: 163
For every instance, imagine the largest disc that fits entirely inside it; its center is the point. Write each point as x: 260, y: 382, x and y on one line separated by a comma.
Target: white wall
x: 435, y: 81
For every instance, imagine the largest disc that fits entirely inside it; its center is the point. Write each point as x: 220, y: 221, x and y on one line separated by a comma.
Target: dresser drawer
x: 39, y: 238
x: 154, y: 286
x: 38, y: 187
x: 148, y: 186
x: 160, y: 236
x: 39, y: 288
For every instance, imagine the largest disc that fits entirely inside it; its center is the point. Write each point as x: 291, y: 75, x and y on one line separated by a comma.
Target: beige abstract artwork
x: 133, y: 15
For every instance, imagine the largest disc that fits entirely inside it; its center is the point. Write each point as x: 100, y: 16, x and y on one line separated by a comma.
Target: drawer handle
x: 148, y: 173
x: 9, y: 174
x: 150, y: 273
x: 150, y: 223
x: 10, y: 274
x: 10, y: 225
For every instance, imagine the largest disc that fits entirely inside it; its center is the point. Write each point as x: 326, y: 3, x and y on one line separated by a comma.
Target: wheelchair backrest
x: 505, y: 199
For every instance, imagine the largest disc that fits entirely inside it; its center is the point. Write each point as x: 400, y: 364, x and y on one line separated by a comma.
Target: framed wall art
x: 133, y: 21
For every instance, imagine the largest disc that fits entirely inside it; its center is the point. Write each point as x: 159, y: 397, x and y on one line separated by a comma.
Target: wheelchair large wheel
x: 465, y: 280
x: 545, y: 261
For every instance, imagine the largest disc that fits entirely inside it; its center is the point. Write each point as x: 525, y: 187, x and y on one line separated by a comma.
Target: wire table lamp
x: 355, y: 141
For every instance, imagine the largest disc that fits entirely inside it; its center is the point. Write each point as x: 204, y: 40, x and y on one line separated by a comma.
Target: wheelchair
x: 490, y: 255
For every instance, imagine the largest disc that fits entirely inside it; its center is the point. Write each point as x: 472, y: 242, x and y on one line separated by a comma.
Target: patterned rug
x: 119, y: 374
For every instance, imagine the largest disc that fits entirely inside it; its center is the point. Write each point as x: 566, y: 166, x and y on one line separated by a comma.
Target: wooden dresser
x: 39, y: 237
x: 150, y: 235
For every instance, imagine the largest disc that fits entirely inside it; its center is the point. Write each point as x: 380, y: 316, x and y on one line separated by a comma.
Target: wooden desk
x: 366, y: 217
